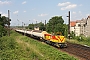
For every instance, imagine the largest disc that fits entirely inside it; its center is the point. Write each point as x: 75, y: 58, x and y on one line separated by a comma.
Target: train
x: 55, y: 40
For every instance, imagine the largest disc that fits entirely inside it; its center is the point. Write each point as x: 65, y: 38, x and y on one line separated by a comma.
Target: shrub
x: 88, y: 39
x: 72, y: 35
x: 7, y: 43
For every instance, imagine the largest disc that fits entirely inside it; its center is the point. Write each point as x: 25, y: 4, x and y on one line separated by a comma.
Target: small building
x: 36, y: 28
x: 81, y: 27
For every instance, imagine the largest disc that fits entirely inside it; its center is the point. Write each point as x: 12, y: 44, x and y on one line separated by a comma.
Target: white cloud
x: 24, y: 2
x: 16, y: 12
x: 5, y: 2
x: 42, y: 15
x: 73, y: 12
x: 4, y: 14
x: 24, y: 11
x: 63, y: 4
x: 69, y: 7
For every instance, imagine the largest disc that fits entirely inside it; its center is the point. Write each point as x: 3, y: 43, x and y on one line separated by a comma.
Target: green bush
x: 80, y: 38
x: 72, y: 35
x: 7, y: 43
x: 3, y: 31
x: 88, y: 39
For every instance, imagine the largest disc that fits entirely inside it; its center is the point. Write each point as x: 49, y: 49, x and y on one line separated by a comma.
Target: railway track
x: 78, y: 50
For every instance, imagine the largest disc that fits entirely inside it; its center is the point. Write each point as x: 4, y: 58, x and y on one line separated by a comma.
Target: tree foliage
x: 3, y: 25
x: 40, y: 25
x: 31, y: 26
x: 56, y: 24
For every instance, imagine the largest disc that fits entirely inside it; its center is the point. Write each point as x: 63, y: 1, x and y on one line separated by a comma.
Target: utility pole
x: 24, y: 29
x: 22, y: 25
x: 68, y: 25
x: 0, y: 15
x: 8, y: 23
x: 45, y: 24
x: 36, y: 22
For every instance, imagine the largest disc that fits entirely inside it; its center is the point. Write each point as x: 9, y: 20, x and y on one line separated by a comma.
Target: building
x: 75, y: 27
x: 81, y: 27
x: 72, y: 25
x: 87, y: 27
x: 36, y: 28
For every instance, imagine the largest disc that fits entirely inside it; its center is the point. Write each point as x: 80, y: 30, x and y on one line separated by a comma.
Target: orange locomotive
x: 58, y: 40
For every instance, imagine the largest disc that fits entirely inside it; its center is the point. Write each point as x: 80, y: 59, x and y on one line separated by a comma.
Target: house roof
x: 78, y: 21
x: 81, y: 21
x: 73, y: 23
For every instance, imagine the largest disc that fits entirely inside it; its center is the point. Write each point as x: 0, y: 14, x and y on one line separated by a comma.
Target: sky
x: 30, y: 11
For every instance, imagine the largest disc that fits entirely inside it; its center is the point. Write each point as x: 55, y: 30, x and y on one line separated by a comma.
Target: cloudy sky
x: 30, y: 11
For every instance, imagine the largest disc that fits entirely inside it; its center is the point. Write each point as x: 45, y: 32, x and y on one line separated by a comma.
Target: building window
x: 79, y: 25
x: 84, y: 25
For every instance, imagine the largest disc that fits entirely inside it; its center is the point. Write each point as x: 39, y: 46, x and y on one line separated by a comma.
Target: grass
x: 83, y: 42
x: 18, y: 47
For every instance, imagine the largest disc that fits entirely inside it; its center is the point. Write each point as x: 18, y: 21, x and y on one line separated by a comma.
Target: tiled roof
x: 72, y: 23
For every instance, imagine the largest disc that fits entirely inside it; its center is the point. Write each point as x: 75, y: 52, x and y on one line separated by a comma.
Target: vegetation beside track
x: 82, y: 41
x: 18, y: 47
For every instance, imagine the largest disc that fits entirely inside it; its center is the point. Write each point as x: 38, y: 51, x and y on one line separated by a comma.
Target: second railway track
x: 76, y: 50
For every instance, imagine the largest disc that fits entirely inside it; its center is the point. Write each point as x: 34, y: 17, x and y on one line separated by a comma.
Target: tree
x: 3, y: 25
x: 31, y: 26
x: 66, y: 30
x: 41, y: 26
x: 56, y: 24
x: 4, y: 21
x: 3, y: 31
